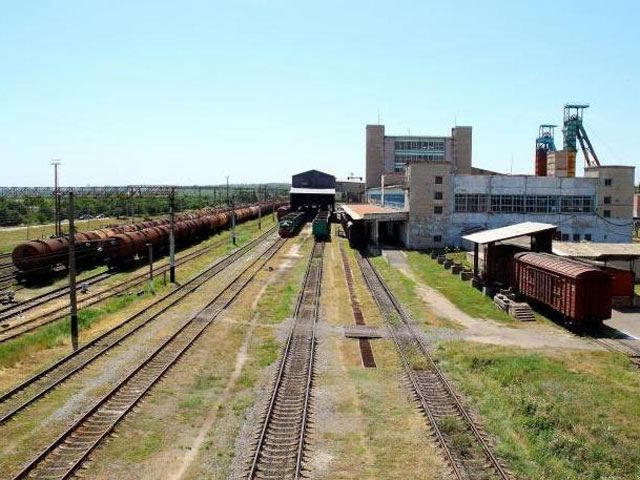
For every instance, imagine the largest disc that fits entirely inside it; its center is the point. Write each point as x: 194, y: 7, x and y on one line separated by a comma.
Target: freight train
x: 121, y: 245
x: 291, y: 223
x: 580, y: 293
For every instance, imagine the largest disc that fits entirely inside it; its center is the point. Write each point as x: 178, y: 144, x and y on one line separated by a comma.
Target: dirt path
x: 526, y: 335
x: 241, y: 358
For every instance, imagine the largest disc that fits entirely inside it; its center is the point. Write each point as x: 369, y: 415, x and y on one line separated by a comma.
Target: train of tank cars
x: 290, y: 223
x: 118, y: 246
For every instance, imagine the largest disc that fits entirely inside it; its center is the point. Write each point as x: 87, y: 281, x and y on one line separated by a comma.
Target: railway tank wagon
x: 580, y: 293
x: 120, y: 245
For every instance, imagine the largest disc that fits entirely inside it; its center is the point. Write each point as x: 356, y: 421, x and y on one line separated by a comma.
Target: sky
x: 158, y: 92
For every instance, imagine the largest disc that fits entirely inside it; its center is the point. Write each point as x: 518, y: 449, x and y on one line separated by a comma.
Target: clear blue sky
x: 188, y: 92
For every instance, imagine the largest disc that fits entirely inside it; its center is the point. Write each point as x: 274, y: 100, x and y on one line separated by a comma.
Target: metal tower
x: 575, y: 133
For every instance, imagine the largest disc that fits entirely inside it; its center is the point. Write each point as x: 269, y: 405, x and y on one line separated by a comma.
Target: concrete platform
x: 626, y: 320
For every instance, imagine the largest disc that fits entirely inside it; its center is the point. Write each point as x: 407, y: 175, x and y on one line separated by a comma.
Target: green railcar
x: 321, y: 226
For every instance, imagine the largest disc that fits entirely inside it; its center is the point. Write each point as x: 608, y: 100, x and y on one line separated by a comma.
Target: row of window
x: 420, y: 145
x: 477, y: 202
x: 559, y: 236
x: 420, y: 157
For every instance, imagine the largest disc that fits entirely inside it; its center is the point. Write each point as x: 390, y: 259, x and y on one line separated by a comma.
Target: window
x: 438, y: 180
x: 437, y: 195
x: 565, y: 237
x: 607, y: 213
x: 607, y: 200
x: 437, y: 210
x: 437, y: 238
x: 607, y: 182
x: 587, y: 237
x: 576, y: 237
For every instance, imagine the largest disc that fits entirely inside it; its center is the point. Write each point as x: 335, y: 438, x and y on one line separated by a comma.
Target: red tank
x: 541, y: 162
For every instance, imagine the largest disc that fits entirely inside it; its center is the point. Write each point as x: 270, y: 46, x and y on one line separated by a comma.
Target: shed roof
x: 597, y: 250
x: 313, y: 191
x: 561, y: 265
x: 368, y: 211
x: 512, y: 231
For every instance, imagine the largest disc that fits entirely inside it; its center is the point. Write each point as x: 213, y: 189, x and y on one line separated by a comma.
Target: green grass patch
x: 462, y: 294
x: 143, y: 448
x: 58, y: 333
x: 459, y: 257
x: 279, y: 299
x: 405, y: 290
x: 267, y: 352
x: 570, y: 417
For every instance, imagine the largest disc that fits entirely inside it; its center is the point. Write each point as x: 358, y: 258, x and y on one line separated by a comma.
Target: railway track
x: 464, y: 446
x: 67, y: 452
x: 26, y: 393
x: 616, y: 344
x: 281, y: 442
x: 14, y: 325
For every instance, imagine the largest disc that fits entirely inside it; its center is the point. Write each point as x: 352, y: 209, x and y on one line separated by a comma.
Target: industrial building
x: 350, y: 190
x: 445, y: 197
x: 312, y: 191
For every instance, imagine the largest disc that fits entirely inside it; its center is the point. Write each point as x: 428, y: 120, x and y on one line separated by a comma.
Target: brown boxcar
x: 579, y: 292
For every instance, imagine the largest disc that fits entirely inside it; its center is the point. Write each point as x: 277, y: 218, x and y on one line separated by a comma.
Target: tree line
x: 40, y: 210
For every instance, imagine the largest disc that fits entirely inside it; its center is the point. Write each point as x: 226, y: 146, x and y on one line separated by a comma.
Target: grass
x: 461, y: 294
x: 58, y: 333
x: 460, y: 257
x: 278, y: 301
x: 405, y: 290
x: 572, y: 416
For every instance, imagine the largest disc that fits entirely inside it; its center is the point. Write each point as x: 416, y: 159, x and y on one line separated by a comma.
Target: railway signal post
x: 72, y: 275
x: 172, y: 236
x: 150, y: 245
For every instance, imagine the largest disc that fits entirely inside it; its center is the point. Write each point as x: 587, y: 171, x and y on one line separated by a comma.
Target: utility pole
x: 227, y: 177
x: 233, y: 223
x: 259, y: 216
x: 56, y: 199
x: 273, y: 208
x: 72, y: 275
x: 172, y: 236
x: 150, y: 245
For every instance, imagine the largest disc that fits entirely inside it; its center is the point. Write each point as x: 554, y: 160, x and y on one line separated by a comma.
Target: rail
x: 69, y: 451
x: 281, y: 441
x: 40, y: 384
x: 433, y: 391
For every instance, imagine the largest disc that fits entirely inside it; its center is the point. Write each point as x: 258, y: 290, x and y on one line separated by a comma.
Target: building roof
x: 505, y: 233
x: 556, y: 264
x: 597, y: 250
x: 368, y: 211
x: 313, y: 191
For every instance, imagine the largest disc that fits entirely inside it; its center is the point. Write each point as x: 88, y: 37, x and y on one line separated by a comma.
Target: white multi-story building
x: 445, y: 201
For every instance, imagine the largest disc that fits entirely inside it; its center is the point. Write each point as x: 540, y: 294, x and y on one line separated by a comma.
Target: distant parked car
x: 86, y: 216
x: 101, y: 216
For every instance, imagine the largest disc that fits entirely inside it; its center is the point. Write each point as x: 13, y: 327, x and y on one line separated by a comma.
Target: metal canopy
x: 505, y: 233
x: 313, y: 191
x: 597, y: 251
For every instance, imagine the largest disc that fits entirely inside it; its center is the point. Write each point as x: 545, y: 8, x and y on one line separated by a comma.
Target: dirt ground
x: 527, y: 335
